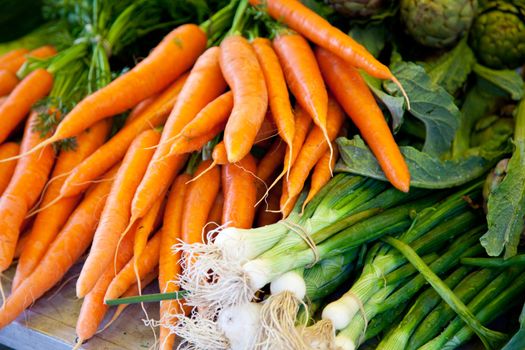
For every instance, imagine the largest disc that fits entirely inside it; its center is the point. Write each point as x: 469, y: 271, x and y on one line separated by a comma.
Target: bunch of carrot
x: 188, y: 157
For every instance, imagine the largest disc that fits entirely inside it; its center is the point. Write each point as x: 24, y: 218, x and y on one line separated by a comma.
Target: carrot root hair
x: 34, y: 210
x: 331, y: 148
x: 269, y: 188
x: 403, y: 92
x: 78, y: 343
x: 212, y: 165
x: 38, y: 147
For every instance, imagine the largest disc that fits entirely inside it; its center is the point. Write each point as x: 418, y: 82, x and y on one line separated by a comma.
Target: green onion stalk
x: 391, y: 295
x: 494, y: 300
x: 431, y: 228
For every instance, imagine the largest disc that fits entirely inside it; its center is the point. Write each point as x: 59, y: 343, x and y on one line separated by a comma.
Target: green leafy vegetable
x: 426, y: 171
x: 430, y: 103
x: 509, y: 81
x: 371, y: 35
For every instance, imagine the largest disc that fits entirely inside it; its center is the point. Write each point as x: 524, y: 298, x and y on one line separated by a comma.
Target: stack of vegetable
x: 209, y: 164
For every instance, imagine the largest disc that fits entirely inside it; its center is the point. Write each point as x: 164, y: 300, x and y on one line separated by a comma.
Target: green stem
x: 239, y: 19
x: 518, y: 260
x: 519, y: 130
x: 218, y: 23
x: 148, y: 298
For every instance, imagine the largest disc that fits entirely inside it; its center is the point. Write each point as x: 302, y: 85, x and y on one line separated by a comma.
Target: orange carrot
x: 215, y: 215
x: 219, y: 154
x: 353, y: 94
x: 186, y: 145
x: 322, y: 174
x: 10, y: 56
x: 93, y: 308
x: 27, y: 182
x: 198, y: 202
x: 116, y: 214
x: 303, y: 76
x: 8, y: 82
x: 14, y: 64
x: 169, y: 266
x: 20, y: 245
x: 145, y: 227
x: 204, y: 84
x: 31, y: 89
x: 49, y: 221
x: 287, y: 203
x: 244, y: 75
x: 318, y: 30
x: 140, y: 108
x: 267, y: 130
x: 314, y: 148
x: 149, y: 259
x: 240, y: 190
x: 68, y: 247
x: 268, y: 213
x: 175, y: 54
x: 271, y: 160
x: 7, y: 169
x: 278, y: 97
x: 113, y: 151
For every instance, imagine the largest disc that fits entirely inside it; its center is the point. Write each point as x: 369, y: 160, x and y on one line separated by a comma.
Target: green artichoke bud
x: 437, y: 23
x: 359, y: 8
x: 498, y: 35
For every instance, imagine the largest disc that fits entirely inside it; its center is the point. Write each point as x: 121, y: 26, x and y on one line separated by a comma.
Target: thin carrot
x: 303, y: 76
x: 149, y: 259
x: 49, y: 221
x: 68, y: 247
x: 169, y: 266
x: 353, y: 94
x: 27, y: 182
x: 113, y: 151
x: 31, y: 89
x: 322, y: 174
x: 204, y: 84
x: 140, y: 108
x: 244, y: 75
x: 146, y: 226
x: 198, y: 202
x: 219, y: 154
x: 7, y: 169
x: 186, y: 145
x: 314, y: 148
x: 14, y: 64
x: 116, y: 214
x: 278, y: 96
x: 8, y: 82
x: 239, y: 186
x: 175, y: 54
x: 287, y: 203
x: 93, y: 308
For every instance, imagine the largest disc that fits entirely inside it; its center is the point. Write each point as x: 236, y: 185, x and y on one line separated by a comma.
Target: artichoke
x: 498, y: 35
x: 359, y: 8
x: 437, y: 23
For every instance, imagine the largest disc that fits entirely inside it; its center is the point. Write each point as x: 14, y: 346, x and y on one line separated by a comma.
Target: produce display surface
x: 262, y: 174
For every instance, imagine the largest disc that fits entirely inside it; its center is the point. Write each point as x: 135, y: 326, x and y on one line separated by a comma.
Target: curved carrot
x: 149, y: 259
x: 116, y: 214
x: 68, y: 247
x: 219, y: 154
x: 314, y: 148
x: 7, y: 169
x: 318, y: 30
x: 16, y: 61
x: 204, y: 84
x: 278, y: 97
x: 321, y: 175
x: 186, y: 145
x: 198, y: 202
x: 353, y: 94
x: 113, y: 151
x: 31, y: 89
x: 10, y: 56
x: 27, y: 182
x: 175, y: 54
x: 140, y: 108
x: 8, y: 81
x: 169, y: 266
x: 240, y: 190
x: 49, y: 221
x: 244, y: 75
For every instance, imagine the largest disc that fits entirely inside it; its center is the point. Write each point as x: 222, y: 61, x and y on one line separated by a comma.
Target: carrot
x: 287, y: 203
x: 169, y: 266
x: 204, y: 84
x: 14, y: 64
x: 116, y: 214
x: 272, y: 160
x: 145, y: 227
x: 321, y: 175
x: 269, y: 213
x: 20, y: 245
x: 7, y: 169
x: 186, y: 145
x: 244, y: 75
x: 175, y: 54
x: 240, y: 190
x: 314, y: 148
x: 113, y: 150
x: 198, y: 202
x: 353, y: 94
x: 219, y: 154
x: 93, y: 308
x: 147, y: 262
x: 8, y: 82
x: 140, y: 108
x: 31, y: 89
x: 49, y: 221
x: 278, y: 96
x: 215, y: 113
x: 27, y: 182
x: 318, y: 30
x: 12, y: 55
x: 303, y: 76
x: 66, y: 249
x: 267, y: 130
x: 215, y: 215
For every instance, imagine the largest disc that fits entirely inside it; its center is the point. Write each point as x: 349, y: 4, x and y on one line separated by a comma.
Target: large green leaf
x: 508, y: 81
